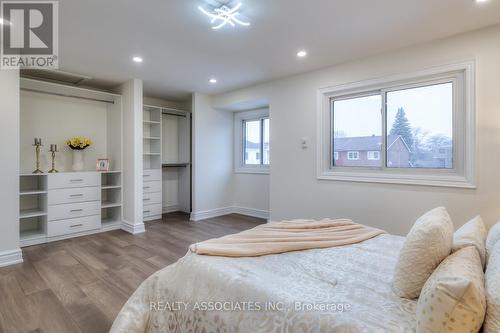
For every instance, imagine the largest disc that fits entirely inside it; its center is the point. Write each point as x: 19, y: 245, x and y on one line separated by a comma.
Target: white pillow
x: 453, y: 298
x: 492, y: 239
x: 473, y: 233
x: 427, y: 244
x: 492, y: 321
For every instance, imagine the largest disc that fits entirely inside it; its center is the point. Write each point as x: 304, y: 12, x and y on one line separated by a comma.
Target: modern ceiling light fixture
x: 224, y: 15
x: 213, y: 81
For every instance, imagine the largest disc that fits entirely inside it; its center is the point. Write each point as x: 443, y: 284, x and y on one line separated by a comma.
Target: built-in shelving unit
x: 111, y: 199
x: 176, y: 160
x: 68, y: 204
x: 33, y: 208
x: 152, y: 146
x: 152, y: 138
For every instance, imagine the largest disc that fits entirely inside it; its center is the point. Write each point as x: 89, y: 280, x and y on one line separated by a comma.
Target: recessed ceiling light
x: 137, y: 59
x: 301, y: 54
x: 213, y: 81
x: 481, y: 1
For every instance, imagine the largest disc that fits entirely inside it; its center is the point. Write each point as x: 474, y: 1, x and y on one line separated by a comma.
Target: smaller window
x: 374, y: 155
x: 336, y: 155
x: 252, y: 141
x: 353, y: 155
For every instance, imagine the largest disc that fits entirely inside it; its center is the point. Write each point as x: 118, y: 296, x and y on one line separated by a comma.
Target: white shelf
x: 108, y: 204
x: 151, y: 138
x: 33, y: 174
x: 27, y: 213
x: 107, y: 187
x: 152, y: 154
x: 32, y: 192
x: 151, y: 122
x: 111, y: 171
x: 111, y: 221
x: 30, y: 235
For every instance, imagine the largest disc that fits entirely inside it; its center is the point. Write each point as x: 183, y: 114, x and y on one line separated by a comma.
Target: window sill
x: 256, y: 171
x: 444, y: 180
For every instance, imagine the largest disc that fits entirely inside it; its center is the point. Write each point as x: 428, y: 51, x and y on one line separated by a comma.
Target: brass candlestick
x: 53, y: 150
x: 37, y: 145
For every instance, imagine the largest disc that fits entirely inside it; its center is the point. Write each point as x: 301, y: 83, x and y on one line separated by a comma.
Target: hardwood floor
x: 80, y: 285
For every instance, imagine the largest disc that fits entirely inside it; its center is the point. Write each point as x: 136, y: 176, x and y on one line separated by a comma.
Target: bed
x: 336, y: 290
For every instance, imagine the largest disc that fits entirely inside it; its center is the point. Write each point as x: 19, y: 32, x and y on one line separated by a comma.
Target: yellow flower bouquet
x: 79, y: 143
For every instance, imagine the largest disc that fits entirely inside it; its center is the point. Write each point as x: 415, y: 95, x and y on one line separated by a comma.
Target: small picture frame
x: 102, y: 164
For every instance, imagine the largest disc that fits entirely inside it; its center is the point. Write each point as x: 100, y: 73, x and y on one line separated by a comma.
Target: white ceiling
x: 181, y: 52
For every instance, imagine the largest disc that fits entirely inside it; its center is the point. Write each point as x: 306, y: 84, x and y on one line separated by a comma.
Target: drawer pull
x: 76, y: 180
x: 76, y: 210
x: 146, y: 175
x: 76, y: 225
x: 76, y: 195
x: 146, y: 187
x: 146, y: 211
x: 146, y: 199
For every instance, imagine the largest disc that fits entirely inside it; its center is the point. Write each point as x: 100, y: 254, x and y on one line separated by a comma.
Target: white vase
x: 78, y: 162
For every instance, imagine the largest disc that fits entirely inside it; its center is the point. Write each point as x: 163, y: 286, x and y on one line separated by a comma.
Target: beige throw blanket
x: 287, y: 236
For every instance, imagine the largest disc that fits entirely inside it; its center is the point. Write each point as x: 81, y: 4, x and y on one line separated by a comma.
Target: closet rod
x: 174, y: 114
x: 65, y: 95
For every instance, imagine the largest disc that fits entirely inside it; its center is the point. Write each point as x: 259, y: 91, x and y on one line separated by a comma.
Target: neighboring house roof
x: 365, y: 143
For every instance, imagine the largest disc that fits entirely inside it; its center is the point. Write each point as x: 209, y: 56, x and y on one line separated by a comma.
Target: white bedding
x: 356, y: 276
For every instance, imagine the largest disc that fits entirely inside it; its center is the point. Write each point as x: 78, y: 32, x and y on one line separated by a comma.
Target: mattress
x: 336, y: 290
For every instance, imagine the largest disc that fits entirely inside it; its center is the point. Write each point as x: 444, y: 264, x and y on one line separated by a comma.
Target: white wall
x: 217, y: 189
x: 212, y: 157
x: 132, y: 155
x: 296, y: 193
x: 251, y: 191
x: 42, y: 116
x: 9, y: 165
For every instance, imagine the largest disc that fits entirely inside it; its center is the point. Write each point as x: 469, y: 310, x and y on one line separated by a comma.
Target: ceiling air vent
x: 54, y: 76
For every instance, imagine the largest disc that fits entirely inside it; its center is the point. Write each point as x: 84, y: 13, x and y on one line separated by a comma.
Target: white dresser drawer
x: 73, y: 179
x: 65, y: 227
x: 151, y: 198
x: 69, y: 211
x: 152, y: 210
x: 151, y: 187
x: 71, y: 195
x: 151, y: 174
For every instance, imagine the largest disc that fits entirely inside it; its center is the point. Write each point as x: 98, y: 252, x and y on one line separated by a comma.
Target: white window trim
x: 353, y: 152
x: 239, y: 165
x: 336, y: 155
x: 464, y: 128
x: 373, y: 153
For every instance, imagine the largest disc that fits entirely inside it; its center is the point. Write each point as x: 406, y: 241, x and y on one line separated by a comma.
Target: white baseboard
x: 133, y: 228
x: 171, y: 209
x: 261, y: 214
x: 208, y: 214
x: 8, y: 258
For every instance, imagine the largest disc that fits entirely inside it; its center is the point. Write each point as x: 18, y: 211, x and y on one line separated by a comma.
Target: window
x: 252, y: 141
x: 412, y: 129
x: 353, y: 155
x: 256, y: 141
x: 373, y: 155
x: 420, y: 127
x: 357, y: 125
